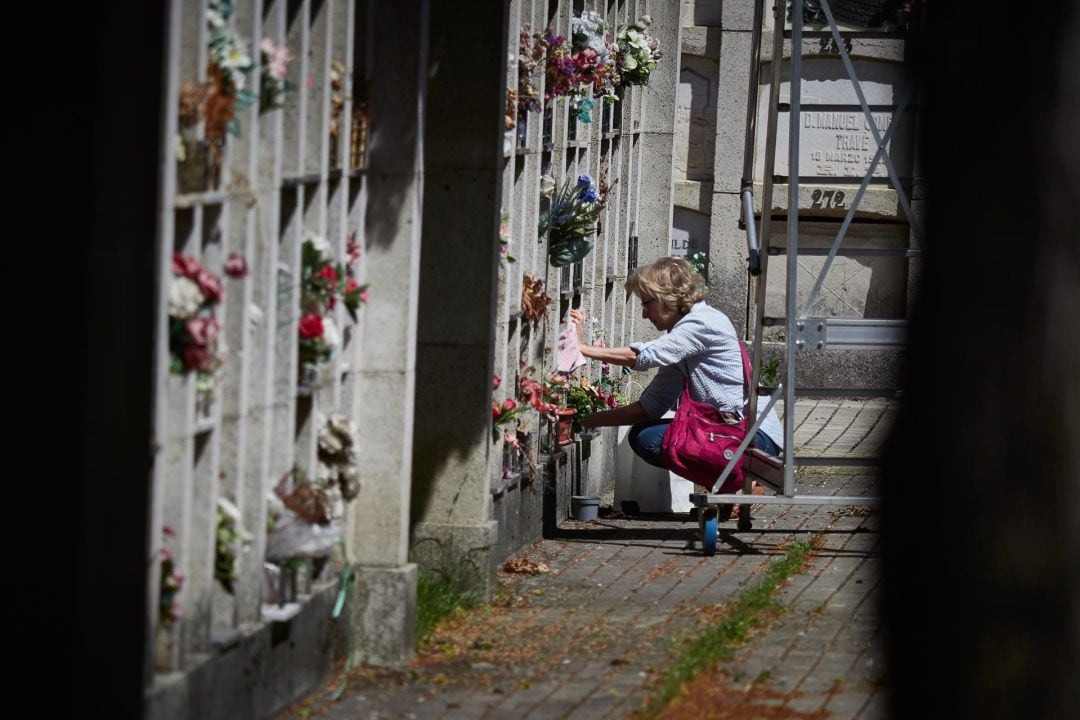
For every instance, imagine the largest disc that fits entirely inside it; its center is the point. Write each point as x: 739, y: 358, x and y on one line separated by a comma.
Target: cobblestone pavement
x: 588, y: 638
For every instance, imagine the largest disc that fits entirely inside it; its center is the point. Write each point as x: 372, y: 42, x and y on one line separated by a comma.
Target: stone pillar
x: 451, y: 495
x: 727, y: 246
x: 386, y: 599
x: 658, y: 136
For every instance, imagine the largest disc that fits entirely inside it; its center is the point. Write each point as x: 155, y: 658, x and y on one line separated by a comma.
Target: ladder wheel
x: 708, y: 531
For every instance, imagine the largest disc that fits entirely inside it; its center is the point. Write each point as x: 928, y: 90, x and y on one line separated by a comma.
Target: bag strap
x: 746, y: 378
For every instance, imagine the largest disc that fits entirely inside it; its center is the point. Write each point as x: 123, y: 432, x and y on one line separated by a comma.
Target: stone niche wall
x: 836, y: 146
x: 690, y: 233
x: 695, y: 119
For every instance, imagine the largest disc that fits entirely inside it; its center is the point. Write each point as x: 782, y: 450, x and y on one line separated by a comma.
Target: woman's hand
x: 578, y: 318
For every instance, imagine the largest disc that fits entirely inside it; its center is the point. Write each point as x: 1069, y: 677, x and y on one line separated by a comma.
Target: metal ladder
x: 802, y: 330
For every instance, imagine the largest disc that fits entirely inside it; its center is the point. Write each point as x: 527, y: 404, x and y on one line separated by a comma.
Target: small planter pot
x: 565, y: 434
x: 584, y: 507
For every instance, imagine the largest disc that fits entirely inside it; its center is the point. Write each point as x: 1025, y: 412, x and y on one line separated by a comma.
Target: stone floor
x: 611, y: 600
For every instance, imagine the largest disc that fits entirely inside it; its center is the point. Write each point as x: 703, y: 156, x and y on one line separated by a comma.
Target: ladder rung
x: 850, y: 252
x: 836, y: 392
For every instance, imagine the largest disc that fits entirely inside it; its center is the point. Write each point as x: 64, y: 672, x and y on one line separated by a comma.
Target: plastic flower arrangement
x: 193, y: 327
x: 504, y: 239
x: 700, y: 262
x: 570, y: 220
x: 582, y: 69
x: 231, y: 540
x: 322, y: 282
x: 638, y: 52
x: 171, y: 581
x: 531, y: 52
x: 594, y: 57
x: 272, y: 83
x: 580, y: 395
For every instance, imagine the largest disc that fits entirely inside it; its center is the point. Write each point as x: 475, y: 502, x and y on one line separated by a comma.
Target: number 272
x: 827, y: 199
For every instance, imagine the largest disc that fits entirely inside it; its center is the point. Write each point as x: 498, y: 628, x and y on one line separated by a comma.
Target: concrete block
x: 385, y: 617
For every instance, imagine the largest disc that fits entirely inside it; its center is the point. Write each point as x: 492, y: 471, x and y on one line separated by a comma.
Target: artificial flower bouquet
x: 638, y: 52
x: 570, y: 220
x: 322, y: 282
x: 194, y: 294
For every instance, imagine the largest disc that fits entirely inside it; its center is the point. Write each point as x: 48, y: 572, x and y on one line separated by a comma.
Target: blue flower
x: 584, y: 181
x: 589, y: 195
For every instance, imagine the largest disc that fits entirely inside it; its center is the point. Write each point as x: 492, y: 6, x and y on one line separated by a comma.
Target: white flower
x: 330, y: 333
x: 230, y: 510
x: 547, y: 186
x: 343, y: 425
x: 215, y: 19
x: 321, y: 245
x: 185, y: 298
x: 255, y: 316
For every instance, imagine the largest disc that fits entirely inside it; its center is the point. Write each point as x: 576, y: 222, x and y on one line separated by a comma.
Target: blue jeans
x: 646, y: 436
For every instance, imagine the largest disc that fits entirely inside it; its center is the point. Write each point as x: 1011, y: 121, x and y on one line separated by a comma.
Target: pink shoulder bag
x: 699, y: 443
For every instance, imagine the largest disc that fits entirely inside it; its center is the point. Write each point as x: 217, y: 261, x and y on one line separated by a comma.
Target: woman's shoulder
x: 706, y: 316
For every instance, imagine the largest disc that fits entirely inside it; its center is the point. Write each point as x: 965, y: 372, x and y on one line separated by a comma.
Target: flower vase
x: 163, y: 661
x: 309, y: 378
x: 565, y: 433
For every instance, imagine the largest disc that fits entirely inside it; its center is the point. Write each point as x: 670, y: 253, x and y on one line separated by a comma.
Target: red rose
x: 209, y: 285
x: 509, y: 404
x: 495, y: 412
x: 202, y: 330
x: 328, y: 274
x: 585, y: 59
x: 236, y: 266
x: 350, y: 286
x: 311, y: 326
x: 197, y: 357
x: 185, y: 266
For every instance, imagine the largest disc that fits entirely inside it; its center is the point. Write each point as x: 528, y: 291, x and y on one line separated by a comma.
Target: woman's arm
x: 616, y: 356
x: 625, y: 415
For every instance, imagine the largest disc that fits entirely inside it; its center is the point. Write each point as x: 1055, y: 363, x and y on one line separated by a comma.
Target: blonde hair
x: 672, y: 281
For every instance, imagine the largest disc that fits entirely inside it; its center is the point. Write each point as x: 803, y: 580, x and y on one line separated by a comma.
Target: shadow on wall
x: 459, y: 273
x: 984, y: 451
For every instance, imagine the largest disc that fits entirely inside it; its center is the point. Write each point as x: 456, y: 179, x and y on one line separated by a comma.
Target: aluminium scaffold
x: 802, y: 330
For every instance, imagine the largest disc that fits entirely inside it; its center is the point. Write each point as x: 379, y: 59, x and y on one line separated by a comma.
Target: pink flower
x: 197, y: 357
x: 350, y: 286
x: 311, y: 326
x: 209, y: 285
x: 165, y: 554
x: 495, y: 412
x: 328, y: 274
x: 353, y: 249
x: 585, y: 60
x: 236, y: 266
x: 202, y: 330
x: 167, y: 529
x: 185, y: 266
x: 496, y: 381
x: 510, y: 438
x: 509, y: 404
x: 611, y: 401
x: 363, y: 296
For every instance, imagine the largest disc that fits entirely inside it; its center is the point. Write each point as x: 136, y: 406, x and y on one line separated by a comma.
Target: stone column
x: 451, y: 495
x: 655, y: 208
x: 727, y: 246
x: 385, y: 608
